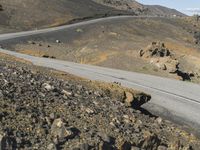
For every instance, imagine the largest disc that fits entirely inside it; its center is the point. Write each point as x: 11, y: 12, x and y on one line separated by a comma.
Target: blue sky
x: 189, y: 7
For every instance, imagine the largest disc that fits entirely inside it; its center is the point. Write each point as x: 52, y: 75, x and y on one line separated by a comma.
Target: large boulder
x: 135, y: 100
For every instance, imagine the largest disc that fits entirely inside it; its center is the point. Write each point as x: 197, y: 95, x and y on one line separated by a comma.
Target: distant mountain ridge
x: 134, y: 6
x: 161, y: 10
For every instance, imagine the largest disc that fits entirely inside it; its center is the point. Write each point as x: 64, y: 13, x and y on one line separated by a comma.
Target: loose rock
x: 48, y: 87
x: 58, y: 130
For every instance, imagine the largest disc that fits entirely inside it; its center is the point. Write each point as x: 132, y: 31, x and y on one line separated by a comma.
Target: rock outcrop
x: 156, y: 49
x: 163, y: 58
x: 160, y: 56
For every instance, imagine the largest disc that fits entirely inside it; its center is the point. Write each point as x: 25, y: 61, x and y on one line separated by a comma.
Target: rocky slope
x: 162, y: 11
x: 41, y: 110
x: 134, y: 6
x: 128, y: 5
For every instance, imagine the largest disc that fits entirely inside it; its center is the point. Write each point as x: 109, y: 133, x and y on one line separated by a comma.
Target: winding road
x: 175, y: 100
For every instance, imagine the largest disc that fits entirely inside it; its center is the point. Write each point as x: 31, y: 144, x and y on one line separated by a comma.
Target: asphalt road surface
x: 176, y: 100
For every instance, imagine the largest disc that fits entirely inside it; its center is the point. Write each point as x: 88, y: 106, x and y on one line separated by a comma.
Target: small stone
x: 126, y: 116
x: 51, y: 146
x: 58, y: 41
x: 79, y: 30
x: 135, y: 148
x: 52, y: 116
x: 89, y: 111
x: 112, y: 124
x: 126, y: 119
x: 162, y: 147
x: 97, y: 93
x: 41, y: 94
x: 48, y: 87
x: 58, y: 130
x: 159, y: 120
x: 31, y: 42
x: 104, y: 137
x: 66, y: 93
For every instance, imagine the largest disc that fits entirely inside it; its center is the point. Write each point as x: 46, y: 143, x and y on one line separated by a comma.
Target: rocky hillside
x: 162, y: 11
x: 16, y: 15
x: 31, y: 14
x: 128, y: 5
x: 134, y: 6
x: 41, y: 109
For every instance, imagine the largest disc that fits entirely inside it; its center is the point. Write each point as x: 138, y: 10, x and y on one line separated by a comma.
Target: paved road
x: 176, y: 100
